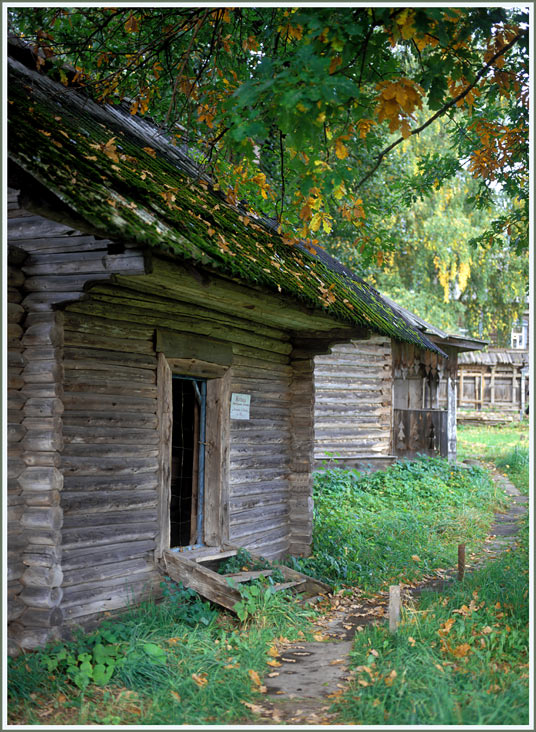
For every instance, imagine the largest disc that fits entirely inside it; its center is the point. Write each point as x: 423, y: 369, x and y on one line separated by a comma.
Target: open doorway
x: 187, y: 461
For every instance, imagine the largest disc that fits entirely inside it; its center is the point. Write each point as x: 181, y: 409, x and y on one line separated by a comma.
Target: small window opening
x: 187, y: 462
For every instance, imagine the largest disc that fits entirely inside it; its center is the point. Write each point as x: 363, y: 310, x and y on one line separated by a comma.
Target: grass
x: 177, y: 662
x: 507, y: 446
x: 399, y: 524
x: 459, y: 658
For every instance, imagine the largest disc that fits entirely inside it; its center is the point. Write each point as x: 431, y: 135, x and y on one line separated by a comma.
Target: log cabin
x: 161, y: 346
x: 381, y: 399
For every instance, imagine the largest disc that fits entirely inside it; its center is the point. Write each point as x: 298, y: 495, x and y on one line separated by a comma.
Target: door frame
x: 217, y: 432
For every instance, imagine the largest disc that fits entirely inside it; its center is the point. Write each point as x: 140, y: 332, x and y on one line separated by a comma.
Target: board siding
x: 353, y: 403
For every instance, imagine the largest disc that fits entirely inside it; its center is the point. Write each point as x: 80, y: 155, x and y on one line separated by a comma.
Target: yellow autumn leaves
x: 396, y: 102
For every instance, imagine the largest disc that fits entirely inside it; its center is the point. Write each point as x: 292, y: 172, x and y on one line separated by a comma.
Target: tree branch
x: 443, y: 109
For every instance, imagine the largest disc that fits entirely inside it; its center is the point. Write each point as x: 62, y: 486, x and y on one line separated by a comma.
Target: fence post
x: 461, y: 561
x: 394, y: 607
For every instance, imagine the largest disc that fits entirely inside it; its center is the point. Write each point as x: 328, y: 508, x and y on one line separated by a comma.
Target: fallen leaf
x: 461, y: 650
x: 176, y: 695
x: 273, y: 663
x: 272, y: 651
x: 336, y: 661
x: 255, y: 708
x: 254, y: 676
x: 411, y: 641
x: 200, y: 679
x: 415, y: 557
x: 390, y: 678
x: 487, y: 630
x: 319, y: 637
x: 273, y: 673
x: 150, y: 151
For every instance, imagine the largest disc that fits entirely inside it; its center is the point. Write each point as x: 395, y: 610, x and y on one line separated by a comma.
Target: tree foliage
x: 297, y: 110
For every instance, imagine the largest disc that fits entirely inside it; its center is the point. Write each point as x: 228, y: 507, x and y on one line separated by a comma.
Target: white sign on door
x: 240, y: 406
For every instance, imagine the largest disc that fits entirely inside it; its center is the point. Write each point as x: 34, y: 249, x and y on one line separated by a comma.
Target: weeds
x: 397, y: 524
x: 176, y: 662
x: 460, y: 658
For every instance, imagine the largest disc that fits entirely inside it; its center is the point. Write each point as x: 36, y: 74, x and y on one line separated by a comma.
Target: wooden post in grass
x: 394, y: 607
x: 461, y: 561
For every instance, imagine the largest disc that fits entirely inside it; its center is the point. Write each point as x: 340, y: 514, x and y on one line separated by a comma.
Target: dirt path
x: 312, y: 674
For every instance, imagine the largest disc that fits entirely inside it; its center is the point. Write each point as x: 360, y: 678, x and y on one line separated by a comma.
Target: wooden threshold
x: 187, y: 568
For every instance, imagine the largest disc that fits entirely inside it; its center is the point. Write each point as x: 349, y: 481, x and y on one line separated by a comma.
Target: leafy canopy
x: 297, y: 110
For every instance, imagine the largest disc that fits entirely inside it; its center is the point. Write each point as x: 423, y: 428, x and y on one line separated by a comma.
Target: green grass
x: 458, y: 658
x: 177, y: 662
x: 399, y: 524
x: 507, y: 446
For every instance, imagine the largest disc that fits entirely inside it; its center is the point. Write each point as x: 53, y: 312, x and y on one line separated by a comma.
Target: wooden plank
x: 208, y: 584
x: 239, y: 577
x: 165, y: 429
x: 215, y: 527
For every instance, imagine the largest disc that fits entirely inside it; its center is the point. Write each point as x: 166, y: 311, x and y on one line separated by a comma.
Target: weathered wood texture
x: 500, y: 386
x: 353, y: 403
x: 421, y: 431
x: 95, y: 419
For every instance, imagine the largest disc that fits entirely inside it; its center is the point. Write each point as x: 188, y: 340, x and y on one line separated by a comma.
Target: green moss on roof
x: 112, y: 176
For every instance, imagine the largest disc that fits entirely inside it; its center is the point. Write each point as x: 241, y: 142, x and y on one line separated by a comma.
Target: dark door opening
x: 187, y: 461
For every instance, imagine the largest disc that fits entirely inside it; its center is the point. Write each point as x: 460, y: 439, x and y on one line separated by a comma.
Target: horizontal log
x: 100, y: 572
x: 15, y: 276
x: 108, y: 373
x: 115, y: 450
x: 41, y: 556
x: 111, y: 599
x: 107, y: 435
x: 105, y: 554
x: 42, y: 597
x: 98, y: 402
x: 43, y: 407
x: 47, y: 537
x: 43, y: 441
x: 15, y: 313
x: 15, y: 608
x: 100, y: 357
x: 131, y: 515
x: 42, y: 518
x: 117, y: 296
x: 90, y: 483
x: 42, y: 617
x: 43, y: 391
x: 42, y: 498
x: 104, y: 588
x: 42, y: 459
x: 43, y: 576
x: 90, y: 537
x: 75, y: 338
x: 46, y: 302
x: 127, y: 420
x: 87, y: 323
x: 29, y: 227
x: 97, y: 501
x: 43, y: 334
x: 185, y: 323
x: 29, y: 639
x: 74, y: 465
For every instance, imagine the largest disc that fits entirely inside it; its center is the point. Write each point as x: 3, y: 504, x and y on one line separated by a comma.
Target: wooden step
x: 287, y: 585
x: 247, y: 576
x: 187, y: 567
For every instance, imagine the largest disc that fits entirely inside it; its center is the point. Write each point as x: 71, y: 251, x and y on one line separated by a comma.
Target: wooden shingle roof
x: 123, y: 178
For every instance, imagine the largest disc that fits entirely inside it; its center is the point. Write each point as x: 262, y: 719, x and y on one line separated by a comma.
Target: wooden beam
x: 207, y: 583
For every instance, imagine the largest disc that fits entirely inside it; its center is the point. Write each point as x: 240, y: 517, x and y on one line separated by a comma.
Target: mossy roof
x: 128, y: 182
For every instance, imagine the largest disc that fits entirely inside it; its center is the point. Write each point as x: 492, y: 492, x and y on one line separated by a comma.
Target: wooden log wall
x: 17, y: 538
x: 353, y: 407
x: 58, y: 262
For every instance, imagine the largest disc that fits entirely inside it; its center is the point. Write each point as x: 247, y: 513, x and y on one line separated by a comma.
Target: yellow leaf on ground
x: 272, y: 651
x: 461, y: 650
x: 273, y: 663
x: 176, y: 695
x: 411, y: 641
x: 200, y: 679
x: 415, y: 557
x: 390, y: 678
x: 254, y: 676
